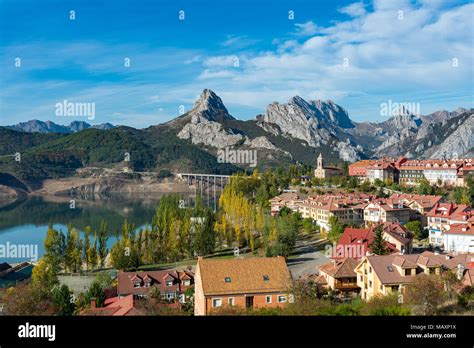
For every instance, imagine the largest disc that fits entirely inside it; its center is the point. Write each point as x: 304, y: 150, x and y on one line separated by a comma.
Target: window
x: 136, y: 285
x: 230, y: 301
x: 268, y: 299
x: 227, y: 279
x: 370, y: 283
x: 370, y: 269
x: 186, y: 282
x: 408, y: 272
x: 381, y: 287
x: 216, y: 302
x: 169, y: 282
x: 281, y: 298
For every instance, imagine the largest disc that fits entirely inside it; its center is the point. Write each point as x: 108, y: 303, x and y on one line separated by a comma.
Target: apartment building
x: 459, y: 238
x: 386, y: 210
x: 442, y: 216
x: 346, y: 208
x: 291, y: 200
x: 420, y: 205
x: 410, y: 172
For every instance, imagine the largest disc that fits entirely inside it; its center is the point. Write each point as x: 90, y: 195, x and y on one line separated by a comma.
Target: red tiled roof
x: 466, y: 229
x: 115, y: 306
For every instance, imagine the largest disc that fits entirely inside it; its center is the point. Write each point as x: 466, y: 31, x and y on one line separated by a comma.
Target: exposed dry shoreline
x: 98, y: 185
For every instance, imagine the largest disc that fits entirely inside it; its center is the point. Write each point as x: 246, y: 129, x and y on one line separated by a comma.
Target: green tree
x: 379, y: 245
x: 86, y: 252
x: 96, y: 292
x: 54, y: 249
x: 44, y: 277
x: 426, y: 293
x: 424, y: 187
x: 63, y: 300
x: 102, y: 247
x: 336, y: 229
x: 415, y: 228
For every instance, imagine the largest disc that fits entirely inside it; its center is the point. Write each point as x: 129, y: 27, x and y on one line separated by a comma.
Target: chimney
x: 93, y: 303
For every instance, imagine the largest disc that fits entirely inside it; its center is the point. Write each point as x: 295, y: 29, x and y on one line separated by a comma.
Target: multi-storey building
x: 383, y: 171
x: 410, y: 172
x: 460, y: 238
x: 442, y: 216
x: 346, y: 208
x: 291, y: 200
x: 386, y: 210
x: 420, y: 205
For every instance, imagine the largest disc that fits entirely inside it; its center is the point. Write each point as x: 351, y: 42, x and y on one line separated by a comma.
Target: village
x: 357, y: 246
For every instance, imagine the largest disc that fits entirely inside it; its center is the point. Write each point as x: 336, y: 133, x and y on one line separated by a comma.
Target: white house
x: 460, y: 238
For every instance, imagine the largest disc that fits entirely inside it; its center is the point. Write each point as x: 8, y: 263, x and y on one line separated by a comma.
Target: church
x: 322, y: 172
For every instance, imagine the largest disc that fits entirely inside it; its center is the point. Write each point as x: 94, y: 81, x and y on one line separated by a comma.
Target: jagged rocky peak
x: 210, y: 106
x: 326, y: 113
x: 336, y: 114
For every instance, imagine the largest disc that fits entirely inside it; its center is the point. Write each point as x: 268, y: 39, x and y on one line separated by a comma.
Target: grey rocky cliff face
x: 211, y: 107
x: 458, y: 144
x: 348, y: 152
x: 315, y: 122
x: 204, y: 125
x: 202, y: 131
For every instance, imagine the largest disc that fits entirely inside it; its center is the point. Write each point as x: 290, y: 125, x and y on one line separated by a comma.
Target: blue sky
x: 358, y: 54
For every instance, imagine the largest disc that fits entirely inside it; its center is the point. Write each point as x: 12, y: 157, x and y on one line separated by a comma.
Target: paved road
x: 307, y: 261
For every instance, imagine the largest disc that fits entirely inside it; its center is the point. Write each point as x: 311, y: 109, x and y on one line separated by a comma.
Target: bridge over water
x: 207, y: 185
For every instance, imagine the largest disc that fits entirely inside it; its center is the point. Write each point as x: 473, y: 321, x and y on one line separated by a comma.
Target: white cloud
x: 306, y: 29
x: 387, y: 57
x: 354, y: 10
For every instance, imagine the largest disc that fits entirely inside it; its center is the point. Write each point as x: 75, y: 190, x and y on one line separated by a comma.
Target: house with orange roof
x: 114, y: 306
x: 339, y: 275
x: 246, y: 283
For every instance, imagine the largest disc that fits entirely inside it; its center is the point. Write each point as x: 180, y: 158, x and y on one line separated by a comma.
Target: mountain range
x: 296, y: 131
x: 38, y: 126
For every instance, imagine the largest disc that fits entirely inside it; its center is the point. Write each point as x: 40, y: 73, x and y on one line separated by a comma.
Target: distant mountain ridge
x: 286, y: 133
x: 37, y: 126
